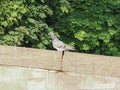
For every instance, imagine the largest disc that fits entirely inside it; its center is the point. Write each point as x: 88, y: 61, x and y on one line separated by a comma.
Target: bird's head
x: 52, y: 35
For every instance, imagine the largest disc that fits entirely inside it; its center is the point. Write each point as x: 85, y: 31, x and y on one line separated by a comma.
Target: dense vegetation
x: 92, y: 26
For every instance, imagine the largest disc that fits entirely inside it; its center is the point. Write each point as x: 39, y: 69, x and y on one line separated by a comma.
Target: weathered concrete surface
x: 76, y: 81
x: 43, y: 70
x: 91, y: 64
x: 28, y: 57
x: 17, y: 78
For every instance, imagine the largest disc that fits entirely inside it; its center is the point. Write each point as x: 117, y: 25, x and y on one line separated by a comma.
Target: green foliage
x: 23, y: 23
x: 92, y: 26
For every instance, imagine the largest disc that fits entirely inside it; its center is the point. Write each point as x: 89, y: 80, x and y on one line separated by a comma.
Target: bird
x: 58, y: 44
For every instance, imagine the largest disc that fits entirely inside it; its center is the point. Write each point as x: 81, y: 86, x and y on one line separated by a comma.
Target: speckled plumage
x: 58, y: 44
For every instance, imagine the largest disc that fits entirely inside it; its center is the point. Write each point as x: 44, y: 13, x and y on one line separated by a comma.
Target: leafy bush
x: 23, y: 23
x: 92, y: 26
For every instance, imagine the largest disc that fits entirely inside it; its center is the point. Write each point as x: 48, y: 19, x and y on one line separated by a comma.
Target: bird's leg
x: 62, y: 61
x: 62, y: 55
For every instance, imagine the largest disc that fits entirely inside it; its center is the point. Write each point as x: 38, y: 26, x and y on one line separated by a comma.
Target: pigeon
x: 58, y: 44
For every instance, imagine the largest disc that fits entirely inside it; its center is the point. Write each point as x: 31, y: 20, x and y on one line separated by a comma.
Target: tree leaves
x: 80, y: 35
x: 92, y: 26
x: 23, y: 23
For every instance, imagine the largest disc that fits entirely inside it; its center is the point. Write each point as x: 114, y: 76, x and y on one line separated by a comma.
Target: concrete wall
x: 35, y: 69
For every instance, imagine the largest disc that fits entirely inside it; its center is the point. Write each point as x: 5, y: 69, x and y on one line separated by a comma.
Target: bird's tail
x: 71, y: 48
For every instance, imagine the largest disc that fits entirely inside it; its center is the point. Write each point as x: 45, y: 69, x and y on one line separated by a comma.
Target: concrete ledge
x: 91, y: 64
x: 17, y: 78
x: 51, y: 60
x: 28, y: 57
x: 48, y: 71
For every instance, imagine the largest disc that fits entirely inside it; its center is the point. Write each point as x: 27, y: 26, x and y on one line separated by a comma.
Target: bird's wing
x: 59, y: 44
x: 70, y: 47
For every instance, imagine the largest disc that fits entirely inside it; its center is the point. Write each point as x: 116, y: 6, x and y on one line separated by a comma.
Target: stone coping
x: 52, y: 60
